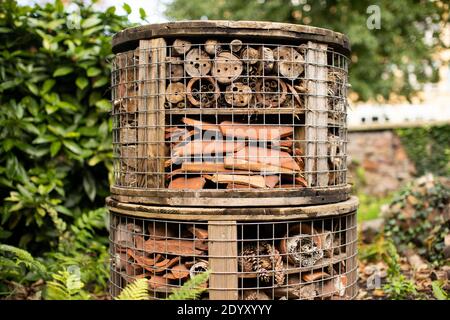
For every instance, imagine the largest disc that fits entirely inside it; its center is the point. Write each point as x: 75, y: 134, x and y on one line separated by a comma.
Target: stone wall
x: 383, y: 158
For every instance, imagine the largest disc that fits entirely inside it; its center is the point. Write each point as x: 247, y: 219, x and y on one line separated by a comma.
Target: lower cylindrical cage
x: 312, y: 258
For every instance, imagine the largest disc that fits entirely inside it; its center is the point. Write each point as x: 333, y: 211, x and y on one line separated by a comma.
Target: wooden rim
x: 232, y: 198
x: 128, y: 39
x: 233, y: 214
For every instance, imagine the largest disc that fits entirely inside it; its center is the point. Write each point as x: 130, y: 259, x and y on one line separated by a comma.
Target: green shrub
x: 55, y: 134
x: 418, y: 217
x: 428, y: 148
x: 55, y: 150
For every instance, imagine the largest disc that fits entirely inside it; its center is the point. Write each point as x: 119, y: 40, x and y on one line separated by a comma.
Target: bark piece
x: 254, y: 181
x: 238, y: 94
x: 267, y: 156
x: 250, y: 55
x: 226, y: 67
x: 128, y: 134
x: 174, y: 69
x: 175, y: 92
x: 254, y: 132
x: 128, y: 155
x: 212, y: 47
x: 181, y: 46
x: 302, y: 245
x: 288, y: 62
x: 197, y: 63
x: 202, y: 91
x: 184, y: 183
x: 202, y: 125
x: 206, y: 147
x: 199, y: 267
x: 235, y: 45
x: 120, y: 261
x: 267, y: 62
x: 124, y: 234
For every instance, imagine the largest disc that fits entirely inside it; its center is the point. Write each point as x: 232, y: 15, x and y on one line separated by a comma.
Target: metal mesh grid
x: 294, y: 259
x: 229, y: 115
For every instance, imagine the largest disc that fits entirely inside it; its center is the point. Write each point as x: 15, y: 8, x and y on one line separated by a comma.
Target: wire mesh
x: 229, y: 115
x: 258, y: 260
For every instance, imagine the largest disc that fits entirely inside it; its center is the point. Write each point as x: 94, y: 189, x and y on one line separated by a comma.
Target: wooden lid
x: 128, y: 39
x: 233, y: 214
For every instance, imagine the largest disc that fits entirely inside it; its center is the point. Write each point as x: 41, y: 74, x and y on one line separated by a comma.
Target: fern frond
x: 138, y: 290
x: 66, y: 286
x: 21, y: 256
x: 191, y: 289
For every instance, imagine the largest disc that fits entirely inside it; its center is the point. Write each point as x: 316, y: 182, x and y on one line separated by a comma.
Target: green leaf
x: 100, y: 82
x: 33, y: 88
x: 72, y: 146
x: 89, y: 185
x: 55, y: 147
x: 62, y: 71
x: 90, y: 22
x: 142, y: 13
x: 438, y: 292
x: 48, y: 85
x: 93, y: 72
x: 82, y: 82
x: 103, y: 105
x: 127, y: 8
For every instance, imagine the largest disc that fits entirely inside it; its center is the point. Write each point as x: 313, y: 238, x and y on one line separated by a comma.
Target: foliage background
x: 55, y: 131
x: 55, y: 151
x: 383, y: 62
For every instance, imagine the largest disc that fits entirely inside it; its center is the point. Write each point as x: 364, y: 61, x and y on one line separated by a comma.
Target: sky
x: 153, y: 8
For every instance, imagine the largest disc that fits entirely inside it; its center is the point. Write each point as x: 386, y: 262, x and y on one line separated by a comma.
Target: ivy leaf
x: 127, y: 8
x: 81, y: 82
x: 89, y: 185
x: 62, y: 71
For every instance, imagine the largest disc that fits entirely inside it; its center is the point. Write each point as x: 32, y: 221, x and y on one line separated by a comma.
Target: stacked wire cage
x: 244, y: 122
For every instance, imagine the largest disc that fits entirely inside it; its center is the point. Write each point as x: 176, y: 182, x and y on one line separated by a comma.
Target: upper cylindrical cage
x: 244, y: 110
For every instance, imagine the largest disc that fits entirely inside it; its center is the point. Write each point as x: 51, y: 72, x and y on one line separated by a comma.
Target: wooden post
x: 223, y: 282
x: 316, y: 115
x: 152, y: 72
x: 351, y: 250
